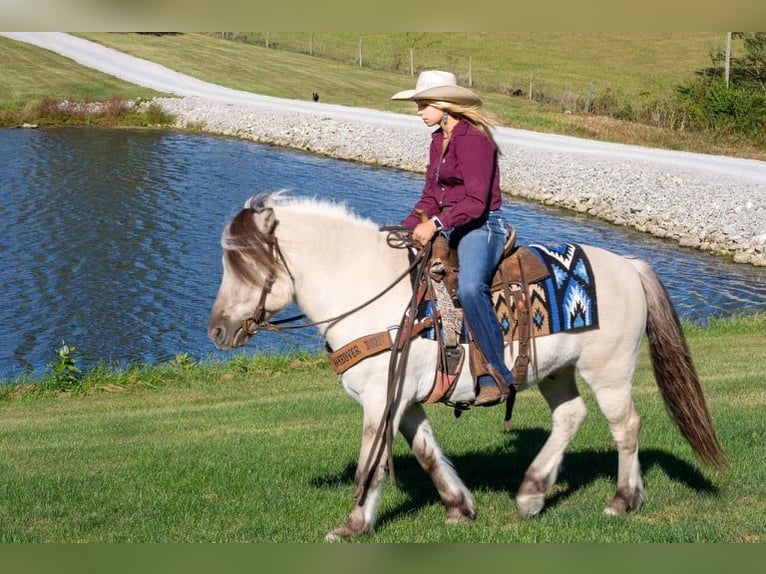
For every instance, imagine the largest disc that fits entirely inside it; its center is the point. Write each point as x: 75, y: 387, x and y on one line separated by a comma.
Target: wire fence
x: 485, y: 62
x: 483, y: 69
x: 409, y: 53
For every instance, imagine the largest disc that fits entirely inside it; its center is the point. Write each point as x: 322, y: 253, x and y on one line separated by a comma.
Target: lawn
x: 264, y: 449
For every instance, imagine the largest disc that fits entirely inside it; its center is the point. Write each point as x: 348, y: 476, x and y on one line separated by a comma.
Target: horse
x: 346, y: 278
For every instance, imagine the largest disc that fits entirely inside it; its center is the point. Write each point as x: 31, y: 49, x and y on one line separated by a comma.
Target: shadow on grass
x: 502, y: 470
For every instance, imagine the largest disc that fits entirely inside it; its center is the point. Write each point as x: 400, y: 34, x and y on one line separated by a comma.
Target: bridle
x: 398, y: 237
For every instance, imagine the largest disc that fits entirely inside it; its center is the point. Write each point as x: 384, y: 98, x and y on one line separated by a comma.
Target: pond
x: 110, y: 240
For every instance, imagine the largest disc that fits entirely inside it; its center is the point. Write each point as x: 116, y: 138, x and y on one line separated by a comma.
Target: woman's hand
x: 423, y: 232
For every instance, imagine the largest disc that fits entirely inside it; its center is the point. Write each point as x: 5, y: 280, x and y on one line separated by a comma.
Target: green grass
x: 636, y: 63
x: 631, y: 67
x: 264, y: 450
x: 627, y: 67
x: 34, y: 81
x: 31, y: 73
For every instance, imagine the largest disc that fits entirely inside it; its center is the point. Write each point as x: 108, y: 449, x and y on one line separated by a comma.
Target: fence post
x: 530, y: 84
x: 412, y: 62
x: 360, y: 52
x: 470, y: 71
x: 311, y: 43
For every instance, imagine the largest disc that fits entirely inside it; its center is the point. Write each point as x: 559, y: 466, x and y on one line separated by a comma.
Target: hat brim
x: 454, y: 94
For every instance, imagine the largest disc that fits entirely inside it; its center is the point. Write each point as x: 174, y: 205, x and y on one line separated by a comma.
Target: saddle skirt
x: 536, y: 290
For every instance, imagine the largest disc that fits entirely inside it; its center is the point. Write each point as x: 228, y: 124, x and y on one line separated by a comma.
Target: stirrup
x: 490, y: 396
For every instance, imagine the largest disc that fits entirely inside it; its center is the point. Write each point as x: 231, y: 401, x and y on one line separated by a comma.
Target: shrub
x: 724, y: 110
x: 154, y: 115
x: 612, y: 102
x: 65, y: 374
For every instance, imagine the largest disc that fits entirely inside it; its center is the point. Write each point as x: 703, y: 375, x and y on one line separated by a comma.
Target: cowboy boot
x: 493, y: 394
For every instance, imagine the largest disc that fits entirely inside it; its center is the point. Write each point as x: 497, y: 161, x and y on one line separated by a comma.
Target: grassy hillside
x: 28, y: 73
x: 635, y: 63
x: 568, y: 68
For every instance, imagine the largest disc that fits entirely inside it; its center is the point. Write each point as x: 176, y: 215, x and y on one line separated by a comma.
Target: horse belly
x: 548, y: 355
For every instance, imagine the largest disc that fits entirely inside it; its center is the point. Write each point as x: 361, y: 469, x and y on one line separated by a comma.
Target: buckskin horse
x: 346, y: 278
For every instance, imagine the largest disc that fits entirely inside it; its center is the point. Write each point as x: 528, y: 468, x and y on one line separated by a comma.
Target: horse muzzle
x: 225, y: 339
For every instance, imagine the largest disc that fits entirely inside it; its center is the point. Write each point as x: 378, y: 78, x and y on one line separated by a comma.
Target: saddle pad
x: 566, y: 300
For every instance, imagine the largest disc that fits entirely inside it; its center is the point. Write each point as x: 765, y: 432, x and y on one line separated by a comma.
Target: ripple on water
x: 110, y: 240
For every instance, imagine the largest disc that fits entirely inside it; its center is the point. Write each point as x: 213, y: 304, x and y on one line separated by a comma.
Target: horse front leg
x: 373, y: 456
x: 457, y: 499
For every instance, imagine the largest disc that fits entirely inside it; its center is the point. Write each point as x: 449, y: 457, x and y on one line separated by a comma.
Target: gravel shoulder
x: 712, y: 203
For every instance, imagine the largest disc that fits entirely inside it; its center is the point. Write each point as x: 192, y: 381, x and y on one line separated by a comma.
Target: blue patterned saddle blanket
x: 565, y: 300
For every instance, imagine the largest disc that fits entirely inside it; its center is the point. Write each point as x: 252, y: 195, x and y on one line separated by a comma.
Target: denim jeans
x: 480, y: 247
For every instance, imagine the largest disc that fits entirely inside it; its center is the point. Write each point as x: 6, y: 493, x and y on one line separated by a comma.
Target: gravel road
x: 713, y: 203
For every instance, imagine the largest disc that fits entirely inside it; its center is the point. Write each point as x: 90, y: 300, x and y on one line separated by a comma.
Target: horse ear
x: 265, y: 220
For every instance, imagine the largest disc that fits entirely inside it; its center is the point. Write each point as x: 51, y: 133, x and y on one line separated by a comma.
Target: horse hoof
x: 530, y: 505
x: 345, y: 531
x: 337, y: 535
x: 460, y: 516
x: 624, y: 504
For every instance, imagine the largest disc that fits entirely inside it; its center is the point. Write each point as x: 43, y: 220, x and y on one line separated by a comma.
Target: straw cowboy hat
x: 436, y: 85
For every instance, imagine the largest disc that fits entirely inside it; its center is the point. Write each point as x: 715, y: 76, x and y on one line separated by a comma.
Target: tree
x: 749, y: 70
x: 734, y: 110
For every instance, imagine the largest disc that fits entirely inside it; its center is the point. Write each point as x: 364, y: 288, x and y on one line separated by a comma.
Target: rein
x: 397, y: 368
x: 400, y: 349
x: 256, y: 323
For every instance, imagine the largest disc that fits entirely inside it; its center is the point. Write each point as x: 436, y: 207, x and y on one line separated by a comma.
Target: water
x: 109, y: 240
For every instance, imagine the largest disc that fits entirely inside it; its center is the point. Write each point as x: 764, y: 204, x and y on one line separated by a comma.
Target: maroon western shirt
x: 463, y: 184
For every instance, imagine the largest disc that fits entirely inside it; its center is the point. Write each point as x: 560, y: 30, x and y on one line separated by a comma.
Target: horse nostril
x: 217, y: 335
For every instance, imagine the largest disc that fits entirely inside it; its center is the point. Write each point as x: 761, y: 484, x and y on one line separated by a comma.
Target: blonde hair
x: 472, y: 114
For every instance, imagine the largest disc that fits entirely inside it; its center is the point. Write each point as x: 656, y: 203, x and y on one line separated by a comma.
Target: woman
x: 461, y: 196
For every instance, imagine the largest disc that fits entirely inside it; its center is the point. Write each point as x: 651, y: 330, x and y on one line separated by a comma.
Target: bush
x: 613, y: 103
x: 725, y: 111
x: 64, y: 370
x: 109, y: 112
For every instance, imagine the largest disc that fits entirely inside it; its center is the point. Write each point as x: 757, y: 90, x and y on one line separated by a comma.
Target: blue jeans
x: 480, y: 247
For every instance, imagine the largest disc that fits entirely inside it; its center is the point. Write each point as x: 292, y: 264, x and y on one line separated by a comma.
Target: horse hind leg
x: 625, y: 426
x: 613, y: 395
x: 567, y: 413
x: 630, y: 485
x: 457, y: 499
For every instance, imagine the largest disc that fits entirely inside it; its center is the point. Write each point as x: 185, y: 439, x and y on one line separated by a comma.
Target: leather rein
x: 399, y: 237
x: 251, y: 325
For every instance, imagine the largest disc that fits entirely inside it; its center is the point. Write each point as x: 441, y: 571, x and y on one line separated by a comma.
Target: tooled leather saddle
x: 518, y: 268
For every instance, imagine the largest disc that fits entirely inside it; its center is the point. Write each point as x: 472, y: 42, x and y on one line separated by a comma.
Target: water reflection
x: 110, y: 240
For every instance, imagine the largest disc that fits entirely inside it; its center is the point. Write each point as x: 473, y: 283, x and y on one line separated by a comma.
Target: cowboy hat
x: 436, y: 85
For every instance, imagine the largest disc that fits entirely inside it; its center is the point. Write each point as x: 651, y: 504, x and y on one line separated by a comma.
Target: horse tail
x: 674, y: 370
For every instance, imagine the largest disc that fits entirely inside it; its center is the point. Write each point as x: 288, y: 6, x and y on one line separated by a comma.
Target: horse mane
x: 248, y: 251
